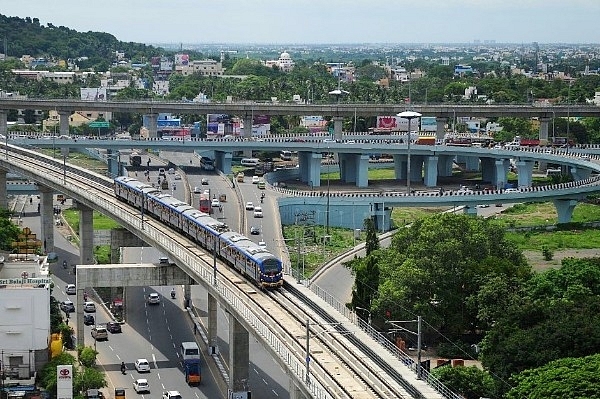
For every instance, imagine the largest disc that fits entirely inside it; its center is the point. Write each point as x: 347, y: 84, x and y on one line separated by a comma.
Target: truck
x: 426, y: 140
x: 192, y: 371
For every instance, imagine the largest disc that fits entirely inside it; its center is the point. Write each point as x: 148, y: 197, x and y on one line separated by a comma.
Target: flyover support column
x: 440, y: 130
x: 362, y: 171
x: 248, y: 120
x: 400, y: 167
x: 86, y: 235
x: 3, y: 190
x: 152, y: 121
x: 472, y: 164
x: 544, y: 122
x: 223, y: 161
x: 47, y: 218
x: 113, y: 162
x: 238, y: 356
x: 525, y: 171
x: 294, y: 390
x: 488, y: 172
x: 213, y: 343
x: 445, y: 165
x: 338, y: 124
x: 63, y: 118
x: 313, y: 169
x: 564, y: 208
x: 580, y: 173
x: 501, y: 172
x: 470, y: 210
x: 3, y: 123
x: 431, y: 168
x: 187, y: 296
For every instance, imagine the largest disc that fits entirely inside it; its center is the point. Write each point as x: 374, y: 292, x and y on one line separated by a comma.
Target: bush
x: 547, y: 253
x: 458, y: 350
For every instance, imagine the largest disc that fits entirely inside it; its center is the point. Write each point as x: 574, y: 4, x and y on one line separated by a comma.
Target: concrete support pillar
x: 580, y: 173
x: 3, y: 190
x: 47, y: 218
x: 440, y: 128
x: 445, y: 165
x: 152, y: 121
x: 470, y: 210
x: 213, y: 342
x: 3, y: 123
x: 294, y: 390
x: 382, y: 216
x: 564, y: 208
x: 63, y: 118
x: 112, y: 160
x: 312, y: 169
x: 431, y: 171
x: 347, y: 165
x: 238, y: 356
x: 187, y: 296
x: 416, y: 168
x: 488, y: 170
x: 223, y: 161
x: 338, y: 124
x: 247, y: 133
x: 86, y: 235
x: 544, y: 122
x: 400, y: 167
x: 472, y: 164
x: 362, y: 171
x: 525, y: 171
x: 502, y: 166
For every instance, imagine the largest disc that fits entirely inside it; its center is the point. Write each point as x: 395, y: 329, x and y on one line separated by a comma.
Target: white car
x: 70, y: 289
x: 249, y: 206
x: 197, y: 190
x: 255, y: 179
x: 262, y: 244
x: 177, y: 176
x: 141, y: 385
x: 258, y: 213
x: 153, y: 299
x: 171, y: 395
x: 511, y: 190
x: 215, y: 203
x: 89, y: 307
x: 142, y: 366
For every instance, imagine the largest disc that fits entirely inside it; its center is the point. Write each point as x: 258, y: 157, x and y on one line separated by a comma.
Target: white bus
x: 250, y: 161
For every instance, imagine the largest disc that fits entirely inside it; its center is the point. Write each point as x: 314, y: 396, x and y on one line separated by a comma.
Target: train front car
x: 252, y: 260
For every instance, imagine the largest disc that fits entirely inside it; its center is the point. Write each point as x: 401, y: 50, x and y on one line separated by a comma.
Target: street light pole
x: 410, y: 115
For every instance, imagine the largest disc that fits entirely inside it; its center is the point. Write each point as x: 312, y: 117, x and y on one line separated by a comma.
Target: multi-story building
x: 24, y: 318
x: 208, y: 67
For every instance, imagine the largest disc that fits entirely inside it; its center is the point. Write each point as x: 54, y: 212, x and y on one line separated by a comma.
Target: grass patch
x: 556, y: 240
x: 99, y: 221
x: 305, y: 245
x: 544, y: 213
x: 404, y: 216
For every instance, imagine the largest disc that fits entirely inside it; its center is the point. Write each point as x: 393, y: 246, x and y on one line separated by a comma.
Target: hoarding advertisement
x: 64, y: 381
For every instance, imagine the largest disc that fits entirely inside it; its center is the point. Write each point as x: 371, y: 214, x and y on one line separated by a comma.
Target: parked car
x: 67, y: 306
x: 89, y: 307
x: 142, y: 366
x: 88, y: 320
x: 153, y: 298
x: 99, y: 332
x: 113, y: 327
x: 141, y: 385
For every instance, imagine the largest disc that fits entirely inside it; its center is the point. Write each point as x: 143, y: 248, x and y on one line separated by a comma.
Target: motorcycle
x: 64, y: 264
x: 123, y: 368
x: 173, y: 294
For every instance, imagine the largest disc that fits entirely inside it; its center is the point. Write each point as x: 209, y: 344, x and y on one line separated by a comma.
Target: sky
x: 322, y: 21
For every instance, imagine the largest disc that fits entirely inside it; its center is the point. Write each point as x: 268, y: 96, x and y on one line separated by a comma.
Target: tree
x: 567, y: 378
x: 372, y: 242
x: 9, y: 232
x: 469, y: 382
x: 434, y: 268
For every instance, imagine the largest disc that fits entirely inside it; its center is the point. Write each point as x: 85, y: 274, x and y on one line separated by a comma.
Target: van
x: 286, y: 155
x: 250, y: 161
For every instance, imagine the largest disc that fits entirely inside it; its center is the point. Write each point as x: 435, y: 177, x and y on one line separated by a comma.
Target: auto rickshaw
x: 119, y: 393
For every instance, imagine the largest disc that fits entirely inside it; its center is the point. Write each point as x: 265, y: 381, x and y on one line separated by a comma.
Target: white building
x: 24, y: 317
x: 208, y: 67
x: 285, y: 62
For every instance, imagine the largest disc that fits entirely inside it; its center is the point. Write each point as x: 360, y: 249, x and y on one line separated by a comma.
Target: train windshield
x: 271, y: 266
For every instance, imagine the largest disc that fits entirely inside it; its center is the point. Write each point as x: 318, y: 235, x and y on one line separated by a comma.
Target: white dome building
x: 285, y: 62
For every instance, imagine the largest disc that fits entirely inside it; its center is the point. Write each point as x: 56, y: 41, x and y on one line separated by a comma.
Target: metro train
x: 241, y: 253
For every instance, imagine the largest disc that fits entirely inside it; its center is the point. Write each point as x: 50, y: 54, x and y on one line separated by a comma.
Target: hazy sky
x: 322, y: 21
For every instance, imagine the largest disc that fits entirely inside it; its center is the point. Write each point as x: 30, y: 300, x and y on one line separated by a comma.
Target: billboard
x: 396, y: 124
x: 182, y: 59
x: 93, y: 94
x: 428, y: 124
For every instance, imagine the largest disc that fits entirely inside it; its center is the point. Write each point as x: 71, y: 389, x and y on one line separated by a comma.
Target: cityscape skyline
x: 332, y: 22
